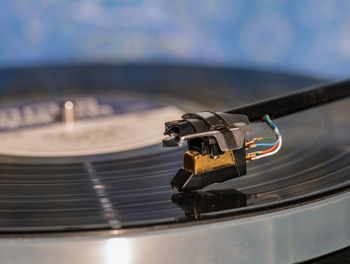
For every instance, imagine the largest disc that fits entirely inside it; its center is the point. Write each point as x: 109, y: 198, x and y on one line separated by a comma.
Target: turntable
x: 84, y: 177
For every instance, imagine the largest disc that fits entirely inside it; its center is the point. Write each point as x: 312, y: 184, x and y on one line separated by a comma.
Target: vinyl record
x: 57, y: 183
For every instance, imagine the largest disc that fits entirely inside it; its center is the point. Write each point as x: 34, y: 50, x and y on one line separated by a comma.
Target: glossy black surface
x: 198, y: 203
x: 128, y: 190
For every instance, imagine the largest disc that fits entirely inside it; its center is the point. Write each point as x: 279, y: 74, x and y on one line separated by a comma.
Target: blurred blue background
x: 310, y: 37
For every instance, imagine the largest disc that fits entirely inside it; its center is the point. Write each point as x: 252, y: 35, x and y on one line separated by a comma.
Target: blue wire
x: 267, y: 144
x: 272, y: 124
x: 278, y: 133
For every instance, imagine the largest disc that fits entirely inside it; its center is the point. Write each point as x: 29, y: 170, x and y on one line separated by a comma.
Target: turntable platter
x: 127, y: 188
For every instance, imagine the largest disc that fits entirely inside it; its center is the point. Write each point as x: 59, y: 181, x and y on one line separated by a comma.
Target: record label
x: 101, y: 126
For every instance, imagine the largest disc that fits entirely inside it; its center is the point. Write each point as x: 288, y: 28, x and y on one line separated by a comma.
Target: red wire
x: 270, y: 149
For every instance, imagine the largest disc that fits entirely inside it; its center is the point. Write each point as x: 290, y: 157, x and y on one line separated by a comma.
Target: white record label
x: 104, y: 131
